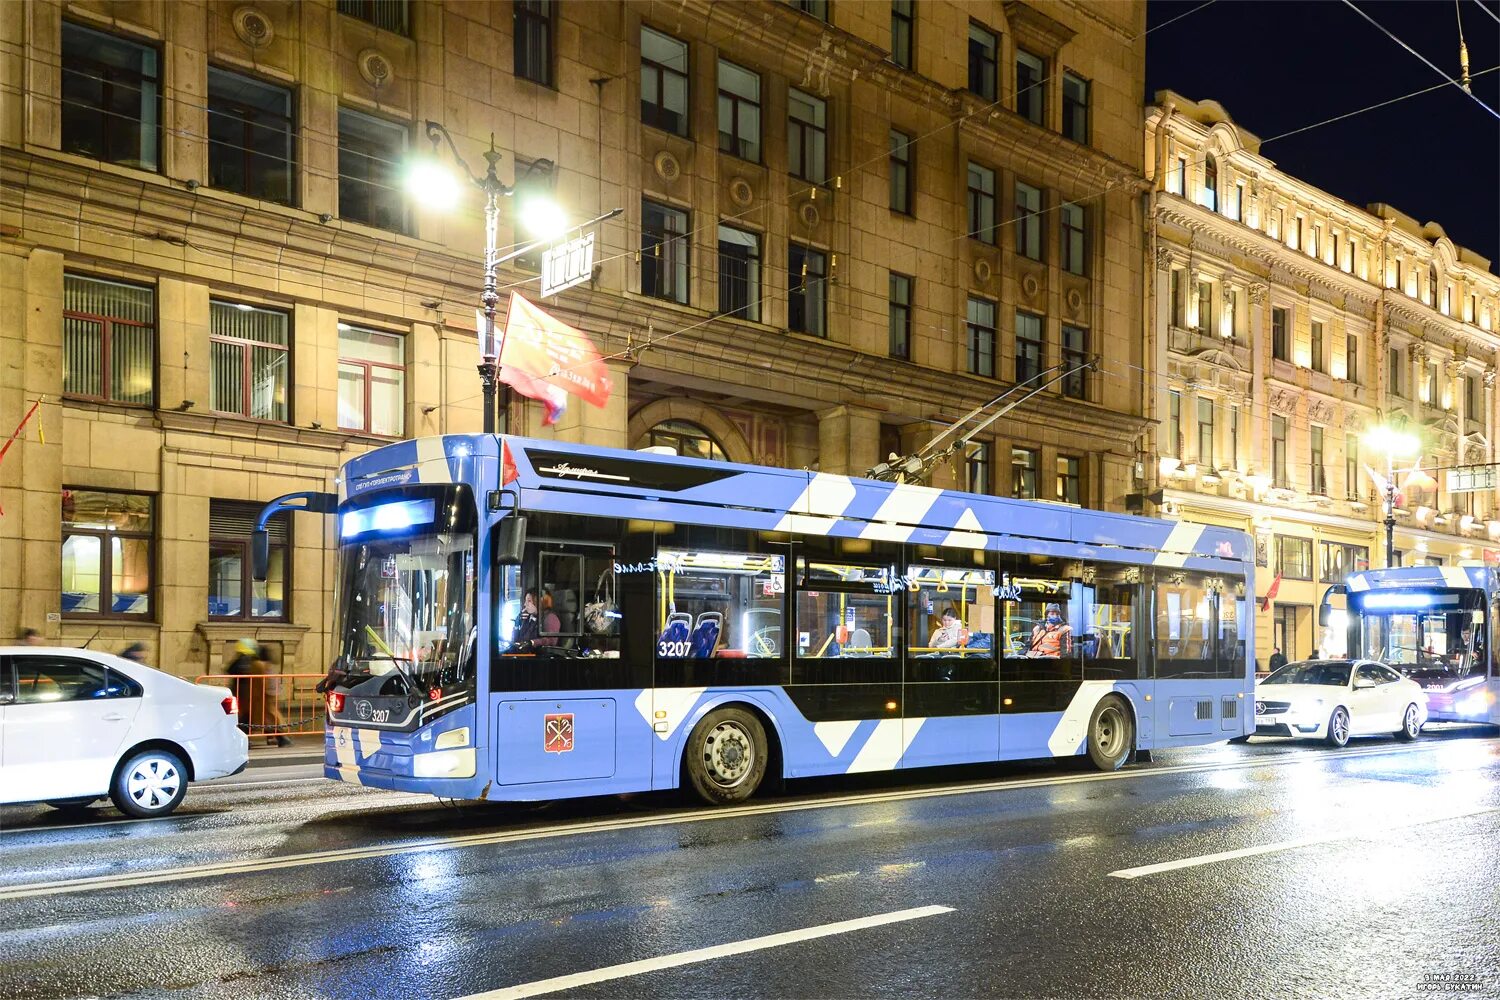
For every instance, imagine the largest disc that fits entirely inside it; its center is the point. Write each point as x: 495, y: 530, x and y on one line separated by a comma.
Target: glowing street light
x: 1394, y: 443
x: 439, y: 188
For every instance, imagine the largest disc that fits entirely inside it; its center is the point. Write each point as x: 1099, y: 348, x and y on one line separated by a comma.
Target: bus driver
x: 1052, y: 637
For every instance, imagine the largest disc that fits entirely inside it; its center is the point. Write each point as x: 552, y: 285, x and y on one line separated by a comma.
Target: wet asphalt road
x: 1368, y: 872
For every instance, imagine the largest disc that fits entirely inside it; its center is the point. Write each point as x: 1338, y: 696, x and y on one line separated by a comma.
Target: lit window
x: 106, y: 554
x: 372, y: 381
x: 251, y: 352
x: 109, y: 340
x: 686, y: 439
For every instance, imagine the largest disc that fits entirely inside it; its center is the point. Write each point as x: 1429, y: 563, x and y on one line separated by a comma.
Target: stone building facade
x: 1285, y: 324
x: 844, y: 225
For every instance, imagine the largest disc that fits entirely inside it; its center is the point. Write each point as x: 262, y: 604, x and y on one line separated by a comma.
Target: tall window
x: 807, y: 300
x: 1177, y: 304
x: 1351, y: 356
x: 1231, y: 320
x: 1281, y: 335
x: 250, y: 351
x: 664, y: 252
x: 372, y: 381
x: 534, y: 30
x: 901, y: 172
x: 739, y: 273
x: 1028, y: 221
x: 1075, y: 107
x: 1393, y: 371
x: 983, y: 46
x: 111, y: 98
x: 250, y: 130
x: 1318, y: 470
x: 388, y: 14
x: 1432, y: 383
x: 1205, y: 306
x: 1473, y: 405
x: 109, y: 340
x: 1075, y: 353
x: 1028, y: 346
x: 1206, y: 434
x: 1174, y: 423
x: 1314, y: 238
x: 1351, y: 466
x: 978, y: 464
x: 1023, y: 470
x: 1279, y: 476
x: 981, y: 328
x: 981, y: 203
x: 1031, y: 95
x: 686, y: 439
x: 902, y: 17
x: 1319, y: 348
x: 1211, y: 183
x: 664, y: 82
x: 1294, y: 558
x: 1234, y: 437
x: 739, y: 111
x: 232, y: 590
x: 371, y: 151
x: 899, y: 319
x: 1069, y: 479
x: 1237, y: 204
x: 106, y: 554
x: 1074, y: 238
x: 806, y: 136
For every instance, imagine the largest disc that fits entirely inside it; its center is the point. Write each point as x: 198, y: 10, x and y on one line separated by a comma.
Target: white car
x: 1332, y: 700
x: 76, y: 726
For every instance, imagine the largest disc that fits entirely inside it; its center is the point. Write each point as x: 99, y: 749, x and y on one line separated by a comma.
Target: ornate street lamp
x: 435, y: 185
x: 1394, y: 443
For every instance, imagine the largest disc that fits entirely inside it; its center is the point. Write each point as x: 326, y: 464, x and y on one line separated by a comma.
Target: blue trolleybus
x: 1437, y: 625
x: 525, y: 619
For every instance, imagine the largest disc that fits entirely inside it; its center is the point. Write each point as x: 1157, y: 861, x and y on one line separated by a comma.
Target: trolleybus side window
x: 950, y: 616
x: 1106, y: 639
x: 1197, y: 625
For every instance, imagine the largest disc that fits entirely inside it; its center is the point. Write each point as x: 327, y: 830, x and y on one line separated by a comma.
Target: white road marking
x: 273, y: 863
x: 697, y: 955
x: 1291, y: 845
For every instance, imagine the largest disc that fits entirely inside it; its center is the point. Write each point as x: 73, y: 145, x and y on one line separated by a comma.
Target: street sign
x: 1471, y: 478
x: 568, y: 264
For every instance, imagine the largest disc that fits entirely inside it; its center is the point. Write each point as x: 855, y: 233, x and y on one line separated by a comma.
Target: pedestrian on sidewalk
x: 240, y: 668
x: 269, y: 700
x: 1278, y: 659
x: 31, y: 637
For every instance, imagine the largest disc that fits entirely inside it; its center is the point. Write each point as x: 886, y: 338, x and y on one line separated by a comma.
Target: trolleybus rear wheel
x: 726, y: 756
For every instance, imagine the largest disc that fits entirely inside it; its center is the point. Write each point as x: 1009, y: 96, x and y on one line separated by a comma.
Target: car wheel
x: 1338, y: 727
x: 73, y: 805
x: 1111, y: 734
x: 726, y: 756
x: 149, y: 783
x: 1411, y: 725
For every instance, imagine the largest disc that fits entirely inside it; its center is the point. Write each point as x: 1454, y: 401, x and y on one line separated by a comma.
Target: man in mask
x: 1051, y: 637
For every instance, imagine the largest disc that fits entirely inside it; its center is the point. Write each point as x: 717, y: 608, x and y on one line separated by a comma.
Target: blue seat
x: 675, y: 640
x: 706, y: 636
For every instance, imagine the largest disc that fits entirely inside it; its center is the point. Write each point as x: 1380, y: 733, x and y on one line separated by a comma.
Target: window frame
x: 668, y: 268
x: 1069, y: 472
x: 247, y: 349
x: 246, y: 152
x: 1317, y: 337
x: 1351, y: 357
x: 368, y: 12
x: 1305, y: 546
x: 900, y: 163
x: 106, y: 341
x: 373, y: 187
x: 367, y: 380
x: 736, y: 101
x: 523, y: 15
x: 1281, y: 334
x: 241, y: 544
x: 1020, y: 470
x: 106, y: 559
x: 1074, y: 238
x: 979, y: 463
x: 1280, y: 476
x: 907, y: 16
x: 1075, y: 384
x: 980, y: 336
x: 1028, y: 367
x: 1074, y: 109
x: 987, y: 89
x: 656, y: 117
x: 1031, y: 99
x: 803, y: 129
x: 1317, y: 460
x: 898, y: 319
x: 981, y: 201
x: 103, y: 114
x: 753, y: 262
x: 1206, y: 458
x: 798, y: 293
x: 1028, y: 224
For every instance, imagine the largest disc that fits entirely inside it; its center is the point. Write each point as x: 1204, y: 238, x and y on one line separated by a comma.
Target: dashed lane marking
x: 681, y: 958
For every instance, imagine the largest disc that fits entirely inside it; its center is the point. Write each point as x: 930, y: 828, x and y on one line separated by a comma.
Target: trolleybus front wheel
x: 726, y: 756
x: 1111, y: 734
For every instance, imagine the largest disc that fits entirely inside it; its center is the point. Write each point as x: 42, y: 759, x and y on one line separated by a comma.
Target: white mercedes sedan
x: 1332, y: 700
x: 76, y: 726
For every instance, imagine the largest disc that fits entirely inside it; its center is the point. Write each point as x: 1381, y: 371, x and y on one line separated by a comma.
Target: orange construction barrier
x: 273, y: 705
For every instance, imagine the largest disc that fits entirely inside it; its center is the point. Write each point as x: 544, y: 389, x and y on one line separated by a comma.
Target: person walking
x: 240, y: 668
x: 31, y: 637
x: 1278, y: 659
x: 267, y: 695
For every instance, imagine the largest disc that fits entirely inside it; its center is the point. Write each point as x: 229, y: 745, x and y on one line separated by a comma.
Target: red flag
x: 541, y: 354
x: 1265, y: 604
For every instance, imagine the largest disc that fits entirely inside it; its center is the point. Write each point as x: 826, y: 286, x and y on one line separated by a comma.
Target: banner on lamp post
x: 567, y: 264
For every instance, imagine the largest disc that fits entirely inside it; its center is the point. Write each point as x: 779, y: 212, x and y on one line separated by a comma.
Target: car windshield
x: 1333, y: 673
x: 407, y: 605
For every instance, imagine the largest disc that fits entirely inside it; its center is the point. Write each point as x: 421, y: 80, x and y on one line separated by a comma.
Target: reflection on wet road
x: 1248, y: 869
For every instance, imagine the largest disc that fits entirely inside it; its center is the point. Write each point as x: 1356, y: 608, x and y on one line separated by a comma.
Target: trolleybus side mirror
x: 1323, y: 610
x: 260, y: 553
x: 510, y: 540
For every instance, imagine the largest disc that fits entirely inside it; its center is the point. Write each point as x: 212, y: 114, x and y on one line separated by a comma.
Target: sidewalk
x: 303, y: 749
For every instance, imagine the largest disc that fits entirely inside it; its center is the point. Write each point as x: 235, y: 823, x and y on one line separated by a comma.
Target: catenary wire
x: 1385, y: 31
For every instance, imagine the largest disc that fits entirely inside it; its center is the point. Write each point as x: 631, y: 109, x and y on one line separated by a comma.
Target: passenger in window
x: 551, y: 624
x: 1051, y: 637
x: 951, y: 633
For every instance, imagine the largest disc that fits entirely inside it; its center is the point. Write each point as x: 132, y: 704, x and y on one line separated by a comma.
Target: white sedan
x: 76, y: 726
x: 1332, y: 700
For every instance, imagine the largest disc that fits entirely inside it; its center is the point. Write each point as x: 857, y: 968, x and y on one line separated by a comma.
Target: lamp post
x: 431, y: 182
x: 1395, y: 443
